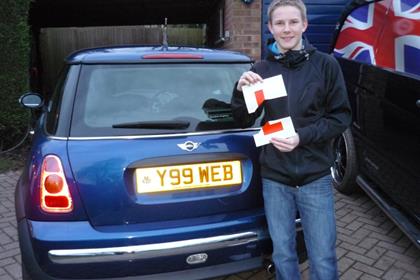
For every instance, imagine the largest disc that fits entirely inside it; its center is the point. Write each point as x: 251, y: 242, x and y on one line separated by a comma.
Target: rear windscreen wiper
x: 220, y: 114
x: 217, y: 109
x: 154, y: 125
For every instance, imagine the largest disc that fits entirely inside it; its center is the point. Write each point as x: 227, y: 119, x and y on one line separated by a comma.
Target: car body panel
x: 378, y: 48
x: 84, y: 236
x: 115, y: 231
x: 387, y: 129
x: 132, y: 54
x: 42, y: 239
x: 112, y: 174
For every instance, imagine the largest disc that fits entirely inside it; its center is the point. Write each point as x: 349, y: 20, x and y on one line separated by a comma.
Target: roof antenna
x: 165, y: 36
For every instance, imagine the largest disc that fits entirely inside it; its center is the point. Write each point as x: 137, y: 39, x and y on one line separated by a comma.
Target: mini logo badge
x: 189, y: 146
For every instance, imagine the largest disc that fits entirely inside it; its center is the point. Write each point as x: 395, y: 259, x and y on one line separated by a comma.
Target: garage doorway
x: 60, y: 27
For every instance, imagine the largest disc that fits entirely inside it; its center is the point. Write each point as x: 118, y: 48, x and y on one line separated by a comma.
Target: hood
x: 292, y: 58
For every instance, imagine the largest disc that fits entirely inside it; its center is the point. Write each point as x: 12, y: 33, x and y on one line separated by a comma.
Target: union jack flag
x: 385, y: 33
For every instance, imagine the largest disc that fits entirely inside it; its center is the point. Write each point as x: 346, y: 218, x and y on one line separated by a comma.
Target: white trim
x: 133, y: 137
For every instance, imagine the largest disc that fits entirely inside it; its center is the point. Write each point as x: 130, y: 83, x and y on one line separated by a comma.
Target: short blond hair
x: 280, y: 3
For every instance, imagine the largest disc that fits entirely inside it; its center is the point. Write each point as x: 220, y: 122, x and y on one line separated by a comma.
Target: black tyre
x: 25, y: 274
x: 344, y: 170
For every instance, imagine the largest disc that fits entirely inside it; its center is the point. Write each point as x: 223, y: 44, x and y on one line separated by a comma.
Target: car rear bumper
x: 62, y: 250
x: 112, y: 254
x: 37, y: 273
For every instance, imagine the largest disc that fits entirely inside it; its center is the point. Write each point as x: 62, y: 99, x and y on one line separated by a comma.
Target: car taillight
x: 55, y: 193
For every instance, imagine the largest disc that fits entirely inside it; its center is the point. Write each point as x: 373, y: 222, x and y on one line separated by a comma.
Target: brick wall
x: 243, y: 27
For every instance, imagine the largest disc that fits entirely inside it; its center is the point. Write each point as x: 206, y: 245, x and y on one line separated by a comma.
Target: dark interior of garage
x: 75, y: 19
x: 53, y: 13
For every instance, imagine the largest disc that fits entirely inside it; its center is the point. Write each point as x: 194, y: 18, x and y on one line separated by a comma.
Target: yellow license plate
x: 188, y: 176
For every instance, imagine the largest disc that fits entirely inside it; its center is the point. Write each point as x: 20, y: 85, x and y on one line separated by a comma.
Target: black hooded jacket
x: 316, y: 101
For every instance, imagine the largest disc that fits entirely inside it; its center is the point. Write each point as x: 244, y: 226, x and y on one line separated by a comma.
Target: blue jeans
x: 315, y: 203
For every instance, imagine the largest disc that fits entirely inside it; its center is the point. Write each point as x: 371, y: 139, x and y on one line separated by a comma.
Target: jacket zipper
x: 288, y: 108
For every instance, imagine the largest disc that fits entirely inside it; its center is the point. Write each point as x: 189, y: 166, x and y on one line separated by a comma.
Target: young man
x: 296, y: 170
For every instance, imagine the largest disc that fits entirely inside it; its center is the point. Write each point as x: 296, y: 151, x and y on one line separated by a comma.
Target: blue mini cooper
x: 138, y: 171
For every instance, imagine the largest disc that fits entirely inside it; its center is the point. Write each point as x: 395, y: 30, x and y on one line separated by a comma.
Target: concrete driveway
x: 369, y: 245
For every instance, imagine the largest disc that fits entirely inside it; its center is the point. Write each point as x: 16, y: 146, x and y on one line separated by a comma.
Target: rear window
x: 154, y: 98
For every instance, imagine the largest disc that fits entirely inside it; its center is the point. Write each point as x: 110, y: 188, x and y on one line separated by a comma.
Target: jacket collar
x: 292, y: 58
